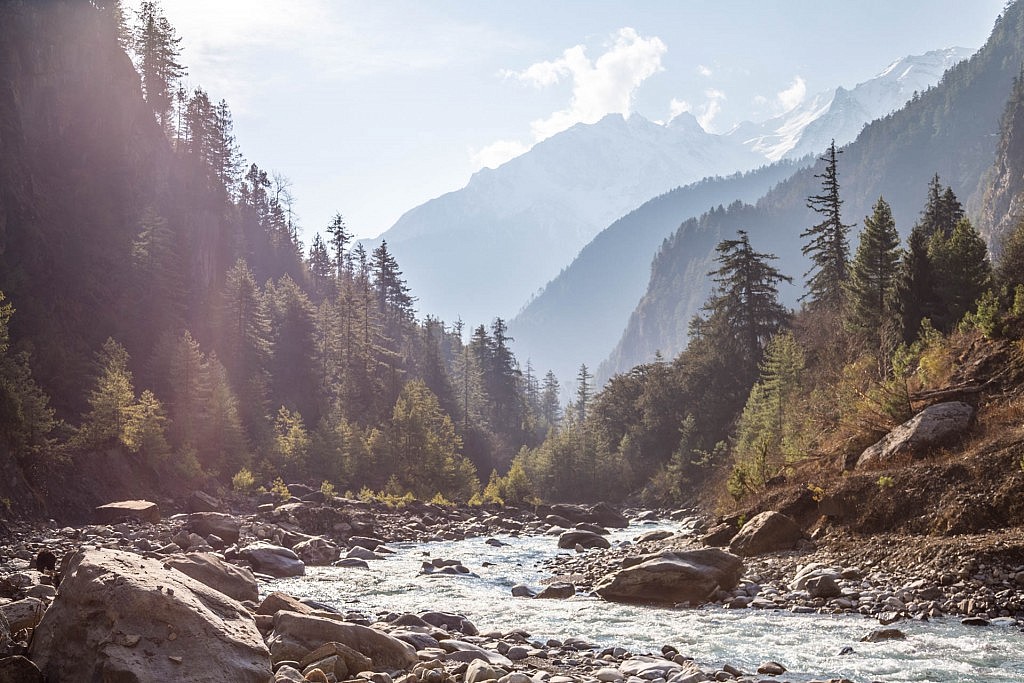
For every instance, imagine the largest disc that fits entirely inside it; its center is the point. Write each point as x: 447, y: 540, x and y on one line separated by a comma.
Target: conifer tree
x: 916, y: 298
x: 157, y: 48
x: 550, y: 402
x: 962, y: 270
x: 26, y: 418
x: 584, y: 392
x: 339, y: 239
x: 828, y: 247
x: 110, y: 401
x: 745, y: 300
x: 873, y: 276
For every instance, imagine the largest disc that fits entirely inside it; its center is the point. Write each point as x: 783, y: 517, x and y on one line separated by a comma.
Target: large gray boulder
x: 296, y: 635
x: 317, y: 551
x: 231, y: 580
x: 933, y: 426
x: 267, y: 558
x: 217, y: 523
x: 690, y: 576
x: 585, y: 539
x: 767, y: 532
x: 122, y: 617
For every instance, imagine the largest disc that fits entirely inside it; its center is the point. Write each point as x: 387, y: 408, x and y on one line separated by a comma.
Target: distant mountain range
x: 487, y: 249
x: 951, y: 129
x: 581, y: 314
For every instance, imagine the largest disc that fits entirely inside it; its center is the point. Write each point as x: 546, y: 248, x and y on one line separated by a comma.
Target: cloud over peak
x: 602, y: 86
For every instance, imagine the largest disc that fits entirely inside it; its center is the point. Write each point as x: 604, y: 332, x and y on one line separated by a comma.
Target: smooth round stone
x: 517, y: 653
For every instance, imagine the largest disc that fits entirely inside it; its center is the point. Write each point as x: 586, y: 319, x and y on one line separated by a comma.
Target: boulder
x: 231, y: 580
x: 267, y: 558
x: 823, y: 586
x: 585, y: 539
x: 766, y: 533
x: 200, y: 501
x: 933, y: 426
x: 654, y: 535
x: 719, y: 535
x: 142, y: 510
x: 605, y: 515
x: 296, y: 635
x: 560, y: 590
x: 18, y: 669
x: 461, y: 651
x: 22, y: 614
x: 122, y: 617
x: 278, y: 601
x: 450, y: 622
x: 223, y: 526
x: 670, y: 577
x: 317, y: 551
x: 345, y: 660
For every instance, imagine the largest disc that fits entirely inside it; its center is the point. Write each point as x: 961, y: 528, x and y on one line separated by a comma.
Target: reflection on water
x: 808, y: 645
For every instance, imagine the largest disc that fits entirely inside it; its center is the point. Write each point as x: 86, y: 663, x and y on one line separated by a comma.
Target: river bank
x: 889, y: 578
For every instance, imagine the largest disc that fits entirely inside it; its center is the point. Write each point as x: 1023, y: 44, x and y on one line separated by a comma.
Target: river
x: 807, y: 644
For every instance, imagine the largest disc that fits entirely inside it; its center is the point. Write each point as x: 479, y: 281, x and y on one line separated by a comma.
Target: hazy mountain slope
x: 951, y: 129
x: 581, y: 313
x: 482, y: 251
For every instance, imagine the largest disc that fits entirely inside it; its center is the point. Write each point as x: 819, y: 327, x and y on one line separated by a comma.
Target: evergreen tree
x: 110, y: 401
x: 941, y: 212
x: 873, y: 276
x: 550, y: 401
x: 26, y: 418
x: 321, y: 270
x: 339, y: 239
x: 745, y: 299
x: 584, y: 392
x: 916, y: 298
x: 962, y: 269
x: 157, y: 49
x: 828, y: 247
x: 1010, y: 270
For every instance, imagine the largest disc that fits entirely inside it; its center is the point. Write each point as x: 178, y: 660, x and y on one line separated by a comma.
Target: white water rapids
x: 808, y: 645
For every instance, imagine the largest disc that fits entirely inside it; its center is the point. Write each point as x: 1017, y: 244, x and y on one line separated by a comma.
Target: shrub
x: 243, y: 481
x: 280, y: 489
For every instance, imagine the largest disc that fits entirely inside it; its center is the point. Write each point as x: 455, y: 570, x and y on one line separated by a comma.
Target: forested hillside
x: 156, y: 290
x: 951, y: 129
x: 579, y: 315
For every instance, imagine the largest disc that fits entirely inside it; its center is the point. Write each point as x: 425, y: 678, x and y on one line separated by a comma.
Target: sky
x: 371, y: 108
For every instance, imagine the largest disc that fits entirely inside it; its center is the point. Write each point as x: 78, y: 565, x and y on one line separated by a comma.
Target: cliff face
x: 1002, y: 191
x: 79, y: 151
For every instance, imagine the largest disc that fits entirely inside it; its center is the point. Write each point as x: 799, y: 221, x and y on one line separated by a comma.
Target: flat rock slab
x: 231, y: 580
x: 142, y: 510
x: 584, y: 539
x: 267, y: 558
x: 122, y: 617
x: 296, y: 635
x: 933, y: 426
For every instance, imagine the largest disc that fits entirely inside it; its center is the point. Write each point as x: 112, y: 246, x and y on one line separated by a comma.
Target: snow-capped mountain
x: 485, y: 250
x: 481, y: 251
x: 842, y: 113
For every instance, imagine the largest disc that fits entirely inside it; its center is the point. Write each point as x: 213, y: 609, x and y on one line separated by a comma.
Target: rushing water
x: 807, y: 644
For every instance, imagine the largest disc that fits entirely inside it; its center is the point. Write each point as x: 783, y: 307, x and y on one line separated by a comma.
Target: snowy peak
x: 842, y: 113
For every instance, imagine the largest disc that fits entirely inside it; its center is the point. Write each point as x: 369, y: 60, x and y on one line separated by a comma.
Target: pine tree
x: 157, y: 49
x: 26, y: 418
x: 962, y: 269
x: 916, y: 298
x: 1010, y: 270
x: 550, y: 402
x: 745, y: 299
x: 321, y: 270
x: 942, y: 210
x: 873, y: 276
x: 584, y: 392
x: 828, y: 247
x: 340, y: 237
x: 110, y: 401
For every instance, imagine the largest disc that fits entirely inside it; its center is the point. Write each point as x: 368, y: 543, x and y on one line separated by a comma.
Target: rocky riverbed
x: 179, y: 597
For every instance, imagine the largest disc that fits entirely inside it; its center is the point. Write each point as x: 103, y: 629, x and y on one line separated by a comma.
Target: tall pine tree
x: 873, y: 276
x: 828, y: 247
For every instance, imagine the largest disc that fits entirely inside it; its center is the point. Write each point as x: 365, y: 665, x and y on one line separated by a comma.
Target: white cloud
x: 793, y: 95
x: 599, y: 87
x: 497, y: 153
x: 704, y: 71
x: 677, y: 107
x: 711, y: 108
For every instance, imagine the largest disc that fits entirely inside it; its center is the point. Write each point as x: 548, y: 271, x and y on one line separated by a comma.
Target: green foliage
x: 26, y: 418
x: 243, y: 481
x: 872, y: 282
x: 886, y: 482
x: 770, y: 434
x: 110, y: 401
x: 280, y: 489
x: 291, y: 442
x: 986, y: 317
x: 144, y: 431
x: 963, y: 273
x: 327, y: 488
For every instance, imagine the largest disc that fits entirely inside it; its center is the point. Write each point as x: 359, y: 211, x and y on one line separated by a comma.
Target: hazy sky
x: 374, y: 107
